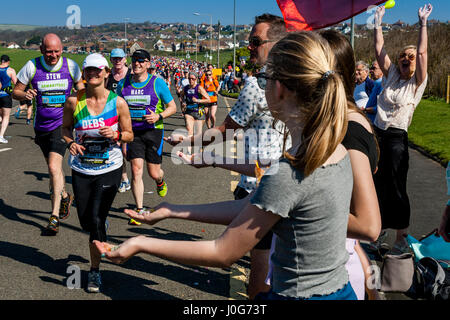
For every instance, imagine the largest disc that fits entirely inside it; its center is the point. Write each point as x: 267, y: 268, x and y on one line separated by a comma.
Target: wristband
x: 160, y: 117
x: 119, y: 136
x: 70, y: 143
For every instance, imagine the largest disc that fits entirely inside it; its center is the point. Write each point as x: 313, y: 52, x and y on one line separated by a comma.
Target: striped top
x: 101, y: 155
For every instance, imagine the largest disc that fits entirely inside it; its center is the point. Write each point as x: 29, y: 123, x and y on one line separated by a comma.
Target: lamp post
x: 196, y: 45
x: 126, y: 39
x: 234, y: 40
x: 218, y: 44
x: 210, y: 29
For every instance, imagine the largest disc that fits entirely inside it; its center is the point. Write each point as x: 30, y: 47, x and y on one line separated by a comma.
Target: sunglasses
x: 410, y: 56
x: 192, y: 78
x: 261, y: 79
x: 140, y: 60
x: 256, y: 41
x: 209, y: 74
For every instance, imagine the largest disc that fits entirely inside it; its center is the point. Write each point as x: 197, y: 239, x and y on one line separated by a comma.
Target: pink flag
x: 317, y: 14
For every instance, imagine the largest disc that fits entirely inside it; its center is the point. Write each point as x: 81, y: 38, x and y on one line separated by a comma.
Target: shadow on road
x: 40, y: 176
x: 117, y: 285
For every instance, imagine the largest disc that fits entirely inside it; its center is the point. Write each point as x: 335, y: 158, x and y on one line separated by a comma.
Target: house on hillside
x: 13, y: 45
x: 399, y: 25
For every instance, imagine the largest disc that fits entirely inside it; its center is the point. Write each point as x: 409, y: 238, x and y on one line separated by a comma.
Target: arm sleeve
x: 26, y: 73
x: 163, y: 91
x: 278, y: 191
x: 74, y: 70
x: 246, y: 107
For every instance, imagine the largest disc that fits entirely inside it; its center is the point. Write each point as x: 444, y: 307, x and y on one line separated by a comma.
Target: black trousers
x: 391, y: 177
x: 94, y: 196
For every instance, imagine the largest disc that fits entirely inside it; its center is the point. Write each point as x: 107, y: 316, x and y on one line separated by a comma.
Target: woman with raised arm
x: 305, y: 201
x: 404, y: 83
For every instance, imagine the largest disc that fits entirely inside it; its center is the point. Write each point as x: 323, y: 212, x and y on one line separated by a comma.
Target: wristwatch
x: 160, y: 117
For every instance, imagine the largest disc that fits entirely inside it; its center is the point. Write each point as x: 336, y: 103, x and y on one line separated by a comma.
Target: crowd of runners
x: 301, y: 219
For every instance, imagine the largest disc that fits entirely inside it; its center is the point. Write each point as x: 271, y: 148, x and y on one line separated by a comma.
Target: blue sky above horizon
x: 53, y: 13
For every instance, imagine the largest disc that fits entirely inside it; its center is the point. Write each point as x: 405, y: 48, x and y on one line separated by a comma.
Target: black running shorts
x: 147, y: 144
x: 6, y: 102
x: 50, y: 141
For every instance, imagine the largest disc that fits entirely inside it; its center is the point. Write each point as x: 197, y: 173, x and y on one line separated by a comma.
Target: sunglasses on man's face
x: 192, y: 78
x: 209, y: 74
x: 256, y: 41
x: 409, y: 56
x: 140, y: 60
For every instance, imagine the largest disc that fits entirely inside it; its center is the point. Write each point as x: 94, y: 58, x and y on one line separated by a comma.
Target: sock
x: 160, y: 184
x: 94, y: 270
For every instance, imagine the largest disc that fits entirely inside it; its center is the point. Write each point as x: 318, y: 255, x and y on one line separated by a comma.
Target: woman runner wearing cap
x: 96, y: 114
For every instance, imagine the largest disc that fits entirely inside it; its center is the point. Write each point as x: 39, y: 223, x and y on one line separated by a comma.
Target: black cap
x: 4, y: 58
x: 141, y: 53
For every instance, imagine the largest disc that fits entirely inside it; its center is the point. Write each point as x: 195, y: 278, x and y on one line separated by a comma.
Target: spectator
x: 364, y: 85
x: 377, y: 76
x: 404, y: 84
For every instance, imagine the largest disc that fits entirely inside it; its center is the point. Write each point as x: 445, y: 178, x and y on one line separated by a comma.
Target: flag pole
x: 352, y: 33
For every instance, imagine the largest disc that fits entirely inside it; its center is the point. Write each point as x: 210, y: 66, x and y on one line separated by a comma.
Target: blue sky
x: 53, y: 13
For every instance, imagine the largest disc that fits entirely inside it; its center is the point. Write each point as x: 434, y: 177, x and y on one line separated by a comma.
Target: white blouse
x: 398, y: 100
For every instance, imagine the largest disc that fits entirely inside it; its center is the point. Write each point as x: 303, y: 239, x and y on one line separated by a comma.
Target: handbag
x: 432, y: 245
x: 397, y: 272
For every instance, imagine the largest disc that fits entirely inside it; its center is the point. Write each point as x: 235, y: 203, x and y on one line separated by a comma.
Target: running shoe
x: 94, y: 282
x: 124, y: 186
x: 53, y: 225
x: 3, y: 140
x: 28, y: 121
x: 162, y: 189
x: 17, y: 114
x: 140, y: 211
x: 64, y: 209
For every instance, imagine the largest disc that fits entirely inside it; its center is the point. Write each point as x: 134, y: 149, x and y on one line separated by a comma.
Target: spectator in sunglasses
x: 404, y: 85
x: 377, y: 76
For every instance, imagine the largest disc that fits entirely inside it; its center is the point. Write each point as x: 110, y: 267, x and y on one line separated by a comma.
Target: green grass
x: 430, y: 128
x: 18, y: 27
x: 19, y: 57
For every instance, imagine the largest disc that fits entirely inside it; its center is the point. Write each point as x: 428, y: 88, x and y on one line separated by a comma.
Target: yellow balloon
x: 390, y: 4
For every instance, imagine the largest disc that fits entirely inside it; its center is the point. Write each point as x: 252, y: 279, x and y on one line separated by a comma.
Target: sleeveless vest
x: 189, y: 94
x: 53, y: 87
x: 102, y: 155
x: 140, y: 101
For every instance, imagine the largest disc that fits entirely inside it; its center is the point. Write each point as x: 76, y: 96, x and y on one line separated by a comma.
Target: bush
x: 233, y: 95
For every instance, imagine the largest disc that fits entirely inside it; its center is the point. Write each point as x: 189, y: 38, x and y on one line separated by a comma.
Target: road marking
x: 234, y: 173
x: 233, y: 185
x: 237, y: 284
x: 5, y: 149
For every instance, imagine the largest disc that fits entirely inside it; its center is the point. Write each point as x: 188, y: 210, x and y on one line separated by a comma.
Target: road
x: 40, y: 267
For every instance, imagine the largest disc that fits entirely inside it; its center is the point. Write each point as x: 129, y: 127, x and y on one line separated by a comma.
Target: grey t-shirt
x: 309, y: 257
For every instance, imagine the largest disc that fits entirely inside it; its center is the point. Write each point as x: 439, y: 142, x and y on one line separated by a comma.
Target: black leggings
x: 391, y: 178
x: 94, y: 196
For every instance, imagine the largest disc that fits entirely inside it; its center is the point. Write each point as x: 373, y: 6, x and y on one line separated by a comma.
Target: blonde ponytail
x: 304, y: 63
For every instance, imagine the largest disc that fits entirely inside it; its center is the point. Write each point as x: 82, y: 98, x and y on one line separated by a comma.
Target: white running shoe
x: 3, y: 140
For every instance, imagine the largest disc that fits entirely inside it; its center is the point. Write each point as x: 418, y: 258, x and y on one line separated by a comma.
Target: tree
x: 33, y: 40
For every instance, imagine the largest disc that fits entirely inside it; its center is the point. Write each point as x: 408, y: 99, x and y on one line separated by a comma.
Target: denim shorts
x: 346, y: 293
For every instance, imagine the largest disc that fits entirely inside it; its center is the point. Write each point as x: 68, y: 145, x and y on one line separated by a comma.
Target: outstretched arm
x: 215, y: 213
x: 422, y: 46
x: 380, y: 53
x: 245, y: 231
